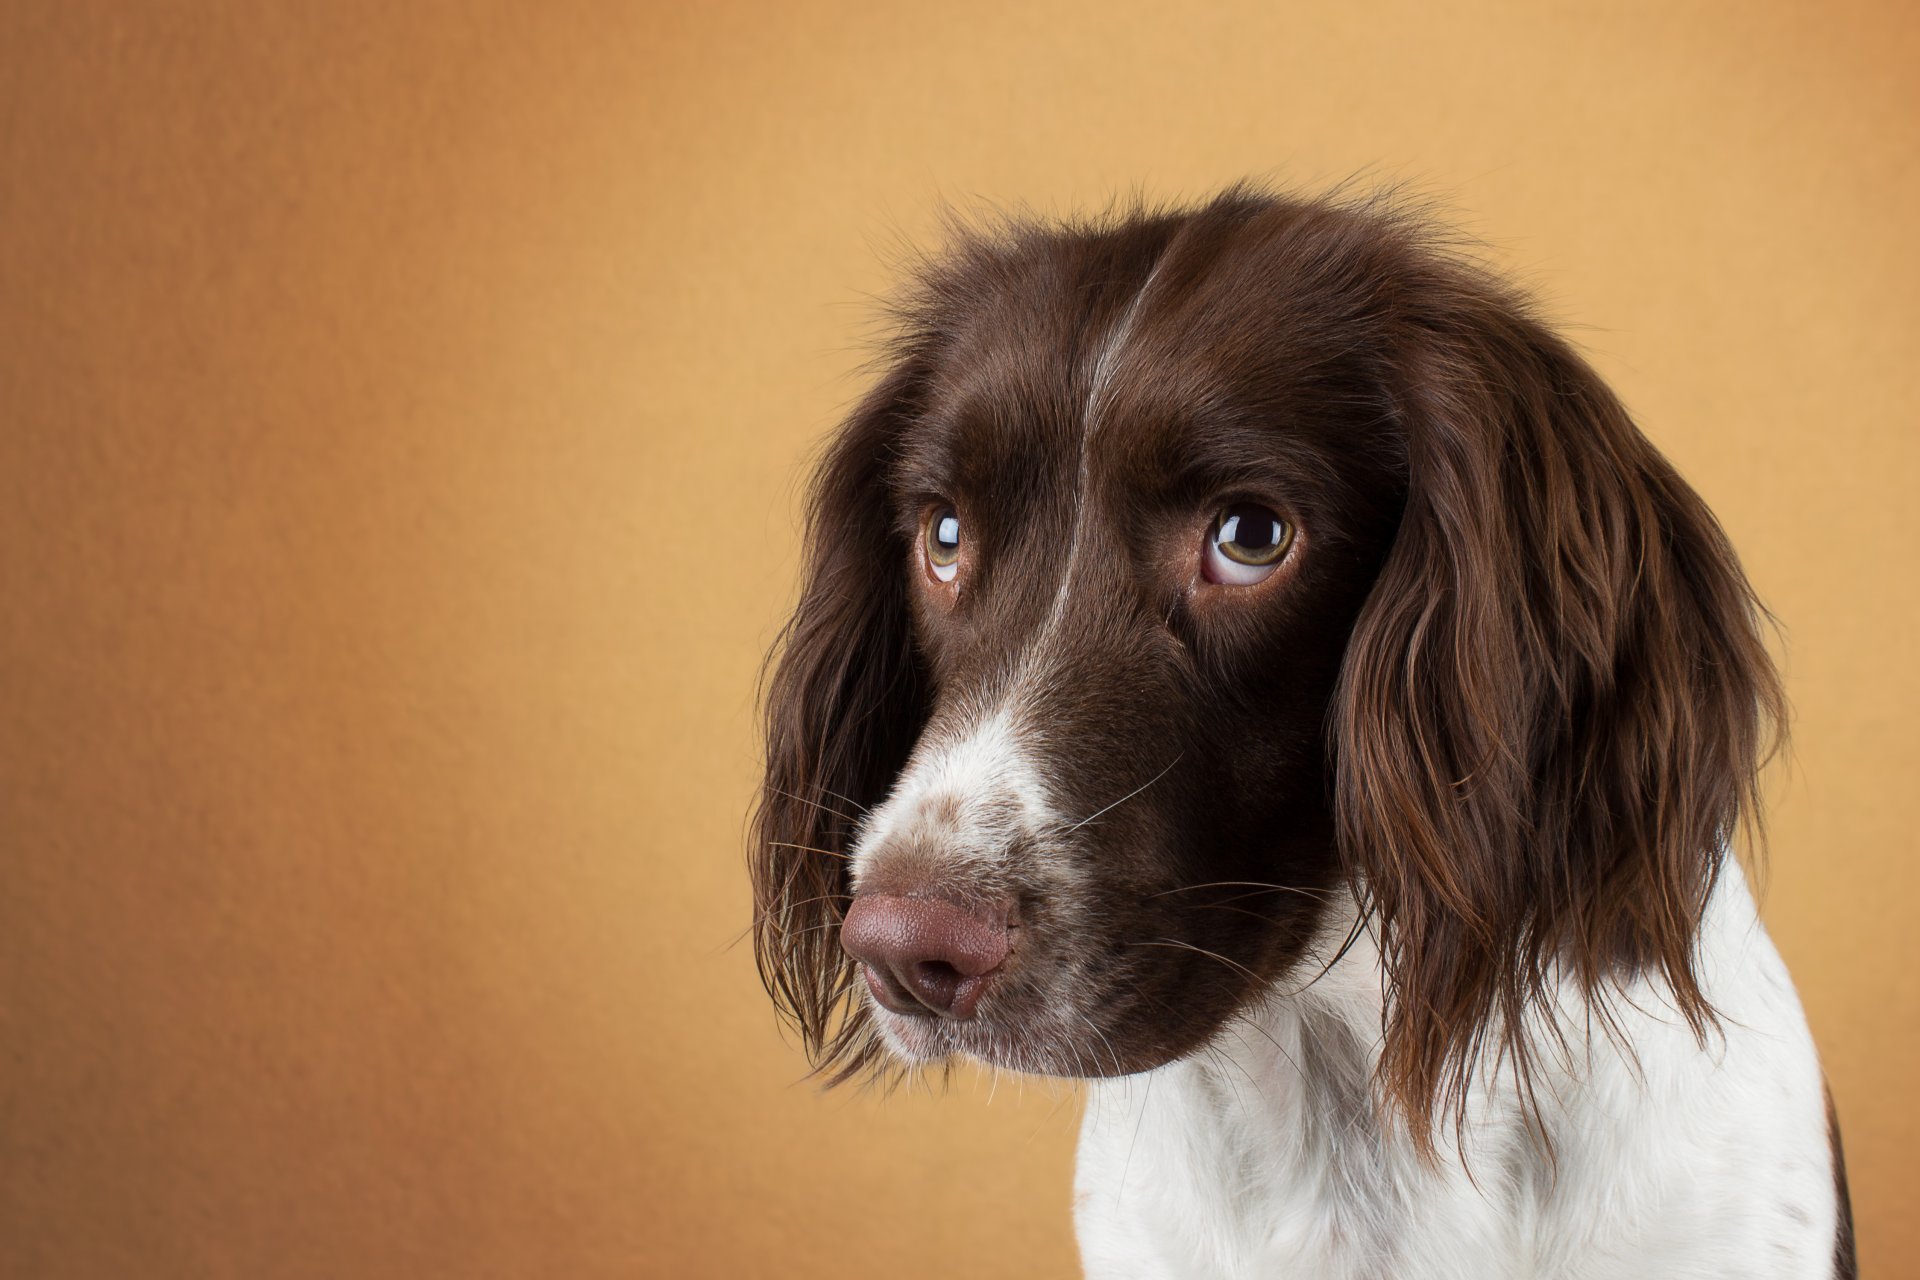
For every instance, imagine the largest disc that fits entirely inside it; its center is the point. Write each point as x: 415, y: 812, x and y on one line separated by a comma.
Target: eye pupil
x: 947, y: 532
x: 1251, y: 533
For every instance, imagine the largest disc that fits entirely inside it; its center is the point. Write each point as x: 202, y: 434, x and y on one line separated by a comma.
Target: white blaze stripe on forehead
x: 1103, y: 367
x: 1110, y: 352
x: 966, y: 797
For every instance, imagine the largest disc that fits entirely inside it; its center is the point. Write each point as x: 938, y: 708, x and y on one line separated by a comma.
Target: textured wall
x: 401, y: 415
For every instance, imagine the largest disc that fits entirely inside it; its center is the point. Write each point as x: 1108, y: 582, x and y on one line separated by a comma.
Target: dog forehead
x: 1067, y: 360
x: 1038, y: 360
x: 1137, y: 396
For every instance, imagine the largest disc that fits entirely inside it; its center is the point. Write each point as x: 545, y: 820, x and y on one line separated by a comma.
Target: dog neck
x: 1274, y: 1151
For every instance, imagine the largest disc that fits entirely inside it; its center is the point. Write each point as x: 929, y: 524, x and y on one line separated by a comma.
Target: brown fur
x: 1515, y: 695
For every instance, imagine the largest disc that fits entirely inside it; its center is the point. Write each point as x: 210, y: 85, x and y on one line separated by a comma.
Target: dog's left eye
x: 943, y: 543
x: 1245, y: 545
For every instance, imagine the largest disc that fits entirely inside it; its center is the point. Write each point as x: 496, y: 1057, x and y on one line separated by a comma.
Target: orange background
x: 402, y: 413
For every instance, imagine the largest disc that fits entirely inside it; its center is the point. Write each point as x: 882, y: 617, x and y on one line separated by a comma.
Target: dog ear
x: 844, y: 704
x: 1552, y: 710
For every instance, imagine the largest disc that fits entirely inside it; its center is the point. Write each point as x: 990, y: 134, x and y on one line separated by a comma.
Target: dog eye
x: 1245, y: 545
x: 943, y: 543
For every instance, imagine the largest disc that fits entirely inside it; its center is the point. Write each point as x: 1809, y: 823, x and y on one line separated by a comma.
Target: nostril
x: 935, y: 982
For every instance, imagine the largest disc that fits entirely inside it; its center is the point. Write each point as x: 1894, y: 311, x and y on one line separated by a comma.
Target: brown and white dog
x: 1246, y: 661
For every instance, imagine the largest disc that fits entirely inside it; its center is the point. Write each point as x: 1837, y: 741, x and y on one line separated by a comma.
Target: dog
x: 1246, y: 661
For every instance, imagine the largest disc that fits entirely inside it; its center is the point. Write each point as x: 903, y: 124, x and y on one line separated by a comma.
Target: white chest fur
x: 1268, y: 1156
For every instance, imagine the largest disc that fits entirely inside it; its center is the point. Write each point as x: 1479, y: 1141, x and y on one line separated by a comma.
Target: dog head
x: 1188, y: 574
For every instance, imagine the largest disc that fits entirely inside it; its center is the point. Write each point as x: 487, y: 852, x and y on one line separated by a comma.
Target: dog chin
x: 918, y: 1041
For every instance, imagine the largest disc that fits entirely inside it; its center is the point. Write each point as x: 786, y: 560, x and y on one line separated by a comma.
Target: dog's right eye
x: 943, y: 543
x: 1245, y: 545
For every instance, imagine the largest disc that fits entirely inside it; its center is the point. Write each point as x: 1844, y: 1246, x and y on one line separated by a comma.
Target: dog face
x: 1189, y: 574
x: 1135, y: 544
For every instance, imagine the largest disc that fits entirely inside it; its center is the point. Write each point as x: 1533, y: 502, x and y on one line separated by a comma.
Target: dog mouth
x: 1048, y: 1044
x: 972, y: 976
x: 1087, y: 1013
x: 1060, y: 984
x: 977, y: 984
x: 1018, y: 981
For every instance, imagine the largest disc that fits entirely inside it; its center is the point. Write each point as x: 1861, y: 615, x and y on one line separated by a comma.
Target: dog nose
x: 925, y: 955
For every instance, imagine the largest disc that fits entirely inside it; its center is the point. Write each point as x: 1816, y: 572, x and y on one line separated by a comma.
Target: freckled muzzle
x: 926, y: 956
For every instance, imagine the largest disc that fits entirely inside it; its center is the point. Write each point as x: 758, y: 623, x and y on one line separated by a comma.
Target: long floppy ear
x: 1553, y: 708
x: 843, y: 707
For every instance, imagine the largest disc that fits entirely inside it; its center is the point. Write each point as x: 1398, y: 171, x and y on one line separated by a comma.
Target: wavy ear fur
x: 843, y: 707
x: 1553, y: 707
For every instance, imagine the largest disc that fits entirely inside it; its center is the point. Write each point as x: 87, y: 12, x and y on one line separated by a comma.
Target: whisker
x: 1353, y: 936
x: 1065, y: 1097
x: 1212, y: 955
x: 815, y: 928
x: 1138, y: 1121
x: 1246, y: 1019
x: 1242, y: 897
x: 1123, y: 799
x: 807, y: 848
x: 1215, y: 1052
x: 816, y: 804
x: 1239, y: 911
x: 864, y: 809
x: 1112, y: 1054
x: 823, y: 897
x: 1247, y: 884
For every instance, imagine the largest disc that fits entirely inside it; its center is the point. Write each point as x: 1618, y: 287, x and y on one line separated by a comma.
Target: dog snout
x: 926, y: 955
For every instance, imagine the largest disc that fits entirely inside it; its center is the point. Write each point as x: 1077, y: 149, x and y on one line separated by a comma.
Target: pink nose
x: 925, y: 955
